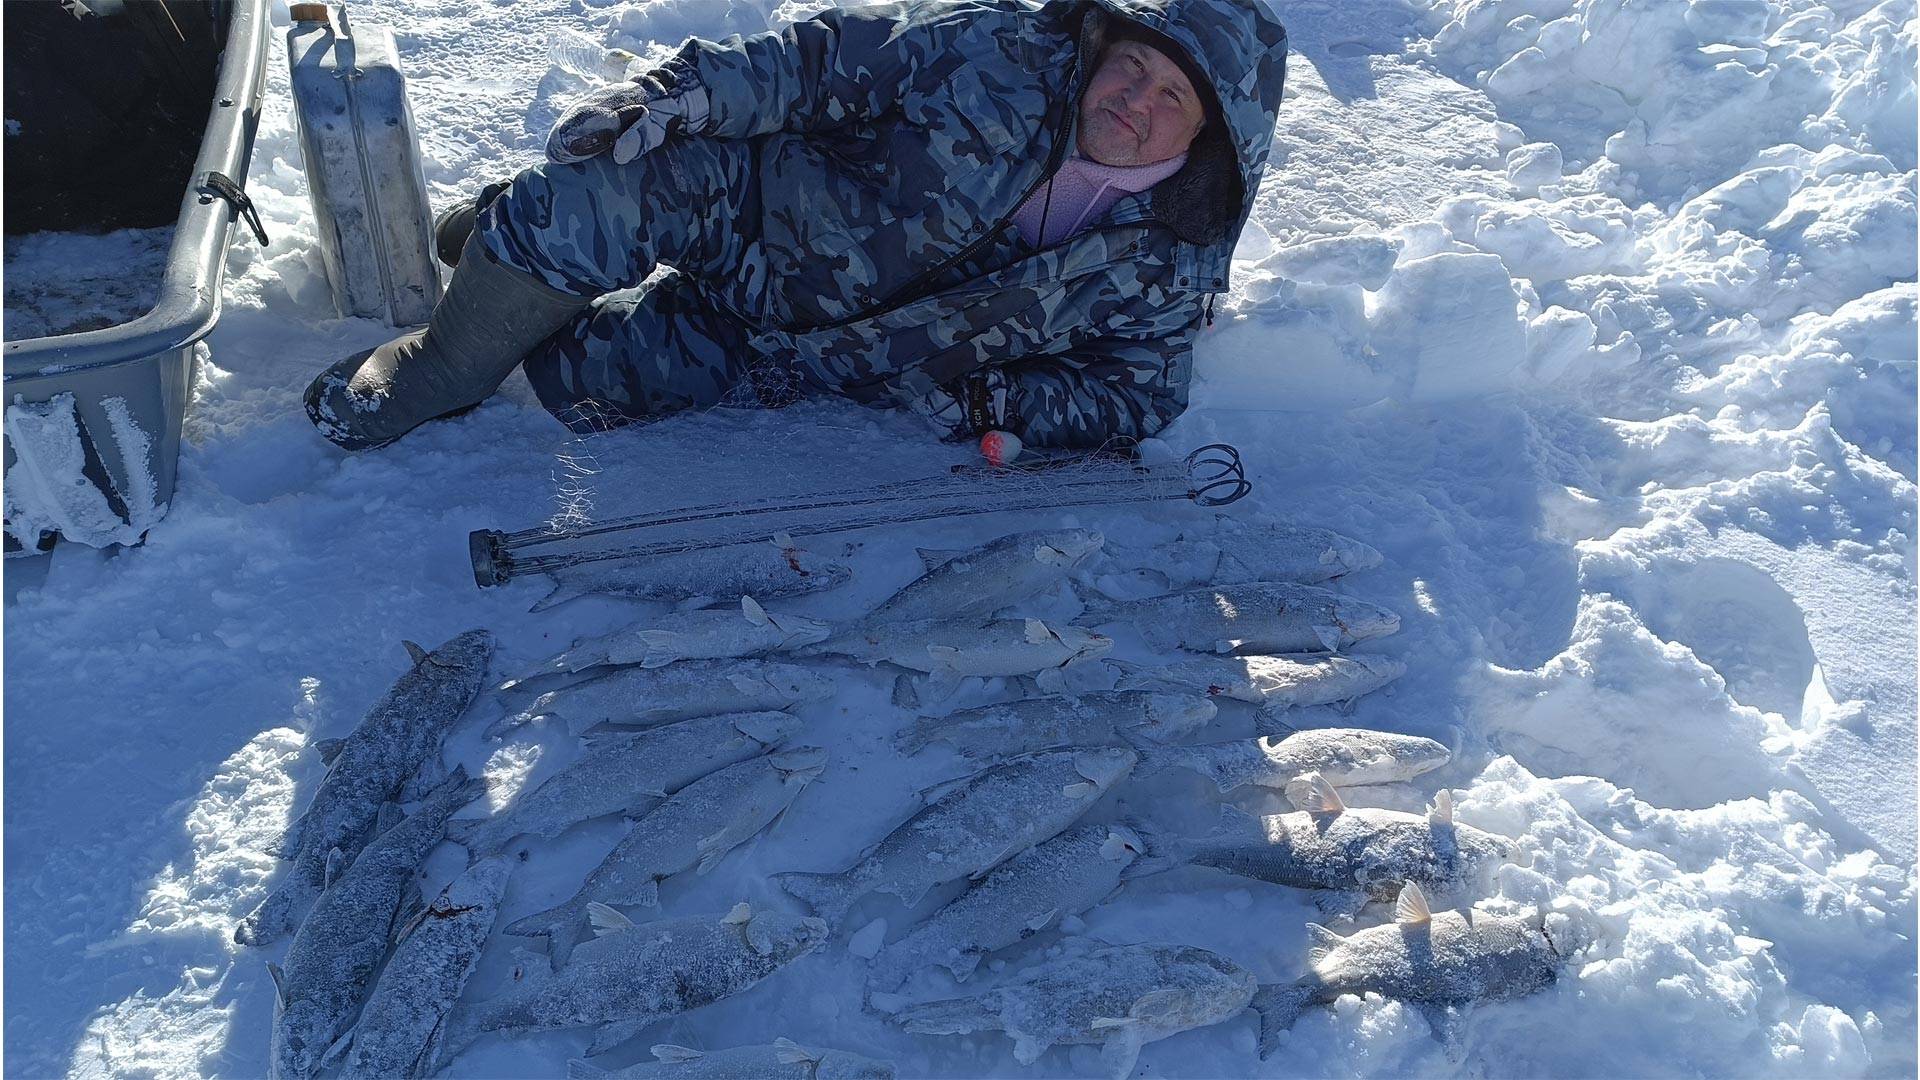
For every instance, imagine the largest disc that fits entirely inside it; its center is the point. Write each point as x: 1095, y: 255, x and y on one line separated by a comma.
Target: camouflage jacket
x: 895, y: 143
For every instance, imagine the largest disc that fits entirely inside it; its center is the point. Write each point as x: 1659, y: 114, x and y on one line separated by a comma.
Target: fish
x: 1022, y: 896
x: 1102, y: 718
x: 436, y: 955
x: 1233, y: 550
x: 1252, y: 617
x: 645, y: 697
x: 632, y: 975
x: 985, y: 579
x: 998, y: 647
x: 627, y: 772
x: 709, y: 634
x: 784, y: 1059
x: 1119, y: 997
x: 1436, y: 961
x: 706, y: 576
x: 1347, y: 757
x: 367, y: 769
x: 331, y: 960
x: 1327, y: 845
x: 1275, y: 682
x: 981, y: 822
x: 698, y: 825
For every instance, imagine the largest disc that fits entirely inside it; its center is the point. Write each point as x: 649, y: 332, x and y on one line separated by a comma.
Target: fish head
x: 1105, y: 766
x: 805, y: 685
x: 1122, y: 845
x: 768, y: 728
x: 1351, y: 756
x: 301, y: 1035
x: 1360, y: 620
x: 784, y: 937
x: 840, y: 1065
x: 1065, y: 548
x: 1174, y: 716
x: 1352, y: 554
x: 801, y: 764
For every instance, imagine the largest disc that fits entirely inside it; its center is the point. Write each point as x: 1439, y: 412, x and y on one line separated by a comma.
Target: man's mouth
x: 1123, y: 122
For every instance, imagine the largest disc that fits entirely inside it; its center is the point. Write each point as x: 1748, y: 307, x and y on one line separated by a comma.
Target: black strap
x: 222, y: 185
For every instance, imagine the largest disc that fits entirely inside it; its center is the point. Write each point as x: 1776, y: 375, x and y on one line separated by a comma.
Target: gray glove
x: 629, y: 118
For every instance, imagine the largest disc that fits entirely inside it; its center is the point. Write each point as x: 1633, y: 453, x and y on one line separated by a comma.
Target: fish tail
x: 829, y: 895
x: 560, y: 595
x: 1163, y: 850
x: 547, y: 924
x: 922, y: 733
x: 480, y: 836
x: 1279, y: 1005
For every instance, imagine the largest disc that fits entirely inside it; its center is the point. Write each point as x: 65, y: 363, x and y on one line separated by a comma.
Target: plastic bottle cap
x: 308, y: 13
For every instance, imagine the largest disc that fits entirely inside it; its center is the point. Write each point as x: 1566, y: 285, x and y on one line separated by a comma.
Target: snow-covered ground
x: 1597, y: 318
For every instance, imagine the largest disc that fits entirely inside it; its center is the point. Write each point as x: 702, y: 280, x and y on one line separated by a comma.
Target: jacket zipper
x: 908, y: 293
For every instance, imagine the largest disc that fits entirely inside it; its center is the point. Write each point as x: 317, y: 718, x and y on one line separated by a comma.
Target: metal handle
x: 220, y: 185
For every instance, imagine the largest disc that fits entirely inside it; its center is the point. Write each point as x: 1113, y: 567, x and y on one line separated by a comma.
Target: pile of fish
x: 687, y: 727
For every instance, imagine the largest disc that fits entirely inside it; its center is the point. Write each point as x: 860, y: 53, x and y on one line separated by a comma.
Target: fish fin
x: 1445, y: 1024
x: 1052, y: 681
x: 612, y: 1035
x: 415, y: 652
x: 1314, y: 794
x: 932, y: 559
x: 1279, y: 1005
x: 1328, y: 636
x: 279, y: 981
x: 755, y: 614
x: 744, y: 683
x: 788, y: 1052
x: 413, y: 908
x: 714, y: 847
x: 694, y: 603
x: 1347, y: 707
x: 1341, y: 903
x: 1441, y: 813
x: 328, y: 749
x: 580, y: 1070
x: 905, y: 694
x: 1036, y: 925
x: 669, y: 1052
x: 739, y: 915
x: 606, y: 920
x: 1028, y: 1048
x: 1103, y: 1023
x: 1080, y: 790
x: 336, y: 865
x: 1321, y: 942
x: 647, y: 893
x: 1411, y: 909
x: 829, y: 895
x: 1037, y: 632
x: 337, y: 1049
x: 499, y: 728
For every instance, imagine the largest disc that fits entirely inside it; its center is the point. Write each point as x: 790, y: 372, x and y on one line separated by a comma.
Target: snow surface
x: 1597, y: 319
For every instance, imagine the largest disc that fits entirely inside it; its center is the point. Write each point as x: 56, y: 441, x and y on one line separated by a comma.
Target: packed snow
x: 1596, y: 319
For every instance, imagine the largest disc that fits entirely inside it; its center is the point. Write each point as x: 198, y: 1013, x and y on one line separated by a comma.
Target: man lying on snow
x: 1007, y: 215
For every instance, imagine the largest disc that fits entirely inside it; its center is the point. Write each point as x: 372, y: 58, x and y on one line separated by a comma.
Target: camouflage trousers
x: 676, y: 342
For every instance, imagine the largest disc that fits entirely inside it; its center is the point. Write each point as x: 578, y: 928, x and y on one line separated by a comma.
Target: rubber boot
x: 455, y: 224
x: 487, y: 321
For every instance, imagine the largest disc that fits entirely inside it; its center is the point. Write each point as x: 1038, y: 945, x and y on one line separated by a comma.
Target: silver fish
x: 1022, y: 896
x: 428, y: 969
x: 990, y: 577
x: 1120, y: 997
x: 627, y: 772
x: 708, y: 575
x: 1433, y: 960
x: 1277, y: 682
x: 332, y: 959
x: 1233, y: 550
x: 1347, y: 757
x: 1103, y: 718
x: 633, y: 975
x: 1327, y: 845
x: 1254, y: 617
x: 998, y: 647
x: 986, y: 819
x: 783, y: 1060
x: 709, y: 634
x: 643, y: 697
x: 369, y: 768
x: 698, y: 825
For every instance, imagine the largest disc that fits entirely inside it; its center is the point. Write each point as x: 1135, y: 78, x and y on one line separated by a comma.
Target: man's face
x: 1139, y: 108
